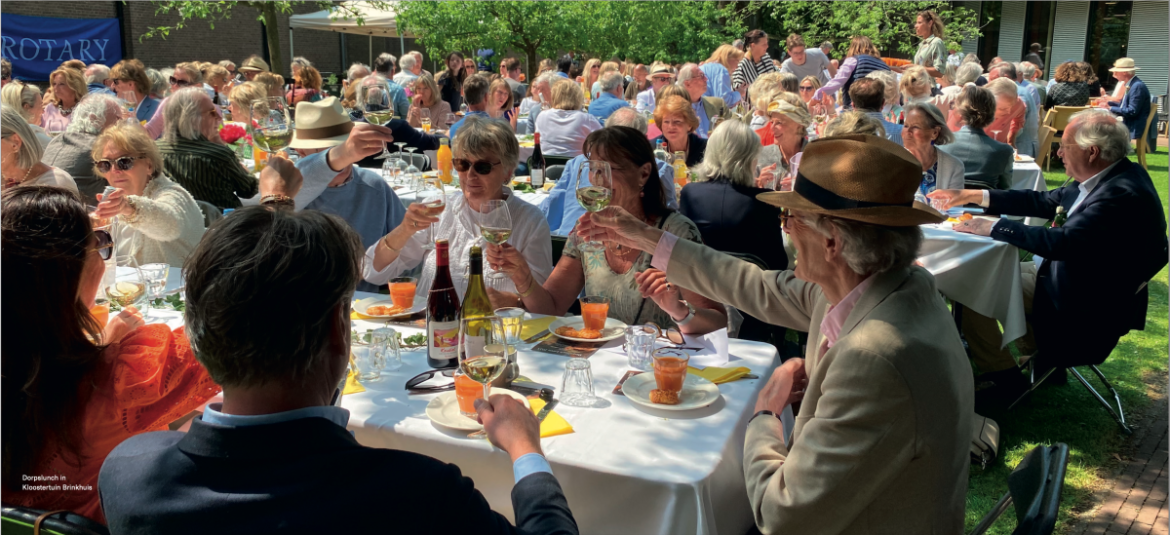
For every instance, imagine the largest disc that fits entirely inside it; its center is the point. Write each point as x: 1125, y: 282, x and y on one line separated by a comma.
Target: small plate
x: 1024, y: 159
x: 362, y: 306
x: 613, y: 329
x: 444, y: 410
x: 697, y: 392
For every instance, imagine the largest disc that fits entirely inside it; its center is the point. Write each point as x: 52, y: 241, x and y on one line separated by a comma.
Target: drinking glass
x: 412, y: 171
x: 402, y: 290
x: 366, y: 363
x: 156, y: 278
x: 449, y: 120
x: 670, y: 369
x: 495, y: 225
x: 594, y: 311
x: 640, y: 345
x: 269, y: 124
x: 577, y: 384
x: 483, y: 354
x: 512, y: 318
x: 384, y: 349
x: 376, y: 105
x: 129, y: 102
x: 594, y: 183
x: 434, y: 198
x: 424, y: 116
x: 463, y: 108
x: 128, y: 285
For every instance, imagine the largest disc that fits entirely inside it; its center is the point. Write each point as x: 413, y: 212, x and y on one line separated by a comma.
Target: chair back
x: 1035, y: 486
x: 554, y: 172
x: 556, y: 160
x: 1062, y: 114
x: 558, y: 247
x: 22, y: 520
x: 1047, y: 133
x: 1143, y: 141
x: 211, y: 213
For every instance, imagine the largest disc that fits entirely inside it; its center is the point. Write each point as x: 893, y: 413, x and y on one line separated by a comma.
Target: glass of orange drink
x: 101, y: 312
x: 402, y: 291
x: 466, y: 392
x: 594, y: 309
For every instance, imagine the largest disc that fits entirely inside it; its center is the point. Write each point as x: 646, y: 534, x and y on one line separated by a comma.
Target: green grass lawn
x: 1137, y: 368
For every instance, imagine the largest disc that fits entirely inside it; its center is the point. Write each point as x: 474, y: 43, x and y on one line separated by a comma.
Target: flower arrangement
x: 237, y: 138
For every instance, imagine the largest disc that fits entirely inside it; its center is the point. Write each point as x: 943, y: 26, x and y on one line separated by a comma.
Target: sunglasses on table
x: 178, y: 82
x: 124, y: 163
x: 412, y: 384
x: 480, y: 167
x: 105, y: 244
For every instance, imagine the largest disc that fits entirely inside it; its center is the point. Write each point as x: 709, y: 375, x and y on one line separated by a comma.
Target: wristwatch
x: 277, y: 200
x: 690, y: 315
x: 765, y: 411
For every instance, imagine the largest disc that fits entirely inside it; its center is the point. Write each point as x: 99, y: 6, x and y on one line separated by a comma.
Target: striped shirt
x: 747, y: 72
x: 209, y: 171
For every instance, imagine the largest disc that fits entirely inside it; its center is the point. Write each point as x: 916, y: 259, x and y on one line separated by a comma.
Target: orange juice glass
x: 594, y: 310
x: 101, y: 312
x: 402, y: 291
x: 670, y: 369
x: 466, y: 392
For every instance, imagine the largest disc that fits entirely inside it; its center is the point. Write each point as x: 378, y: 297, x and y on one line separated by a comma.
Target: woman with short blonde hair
x: 916, y: 87
x: 563, y: 128
x: 589, y: 76
x: 27, y: 99
x: 426, y: 96
x: 217, y: 77
x: 273, y: 83
x: 68, y: 88
x: 21, y: 152
x: 242, y: 96
x: 1010, y: 111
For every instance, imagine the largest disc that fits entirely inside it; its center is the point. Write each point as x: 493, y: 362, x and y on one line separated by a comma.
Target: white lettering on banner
x: 101, y: 44
x: 34, y: 43
x: 67, y: 48
x: 84, y: 50
x: 8, y: 44
x: 48, y: 43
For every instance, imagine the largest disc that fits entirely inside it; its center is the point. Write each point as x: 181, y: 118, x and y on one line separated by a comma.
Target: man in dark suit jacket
x: 1134, y: 107
x: 1091, y: 269
x: 275, y: 456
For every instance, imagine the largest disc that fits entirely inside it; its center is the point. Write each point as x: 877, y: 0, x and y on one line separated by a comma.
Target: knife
x: 536, y: 336
x: 528, y: 388
x: 546, y: 395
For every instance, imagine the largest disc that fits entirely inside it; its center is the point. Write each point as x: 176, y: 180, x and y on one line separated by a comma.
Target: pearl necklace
x: 8, y: 183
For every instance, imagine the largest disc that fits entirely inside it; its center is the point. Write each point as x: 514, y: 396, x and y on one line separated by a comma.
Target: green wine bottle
x: 475, y: 301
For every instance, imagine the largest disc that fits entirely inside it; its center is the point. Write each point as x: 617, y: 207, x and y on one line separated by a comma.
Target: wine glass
x: 377, y: 108
x: 594, y: 183
x: 434, y: 198
x: 412, y: 171
x: 463, y: 108
x: 495, y: 225
x: 269, y: 124
x: 449, y: 120
x: 129, y: 102
x: 483, y: 352
x: 995, y: 134
x: 127, y: 285
x: 424, y: 116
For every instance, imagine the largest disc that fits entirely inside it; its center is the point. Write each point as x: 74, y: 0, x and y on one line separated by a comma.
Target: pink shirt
x: 154, y: 126
x: 1009, y: 124
x: 52, y: 120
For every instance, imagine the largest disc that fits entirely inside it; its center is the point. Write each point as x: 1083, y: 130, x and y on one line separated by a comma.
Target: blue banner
x: 36, y: 46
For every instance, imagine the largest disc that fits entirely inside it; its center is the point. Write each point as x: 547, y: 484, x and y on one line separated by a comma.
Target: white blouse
x: 563, y: 132
x: 54, y: 177
x: 530, y: 235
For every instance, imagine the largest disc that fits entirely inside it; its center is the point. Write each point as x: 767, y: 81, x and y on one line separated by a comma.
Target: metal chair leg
x: 1035, y: 384
x: 1119, y: 414
x: 992, y: 515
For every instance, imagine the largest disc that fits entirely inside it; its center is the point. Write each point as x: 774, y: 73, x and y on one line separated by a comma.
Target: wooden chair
x: 1143, y: 144
x: 1047, y: 133
x: 1058, y: 118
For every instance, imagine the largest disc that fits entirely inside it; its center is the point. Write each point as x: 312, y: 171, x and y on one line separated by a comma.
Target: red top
x: 766, y: 136
x: 142, y: 384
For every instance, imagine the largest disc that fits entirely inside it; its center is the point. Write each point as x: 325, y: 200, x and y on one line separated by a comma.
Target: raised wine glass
x: 483, y: 352
x: 377, y: 107
x: 432, y: 196
x: 495, y: 225
x: 269, y: 124
x: 129, y: 101
x: 128, y: 286
x: 594, y: 192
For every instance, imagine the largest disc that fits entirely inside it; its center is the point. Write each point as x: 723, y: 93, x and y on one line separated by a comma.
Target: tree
x: 890, y: 25
x: 267, y: 12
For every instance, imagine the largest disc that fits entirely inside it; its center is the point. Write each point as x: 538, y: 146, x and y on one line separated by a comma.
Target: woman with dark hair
x: 755, y: 62
x: 613, y: 272
x: 451, y: 80
x: 861, y: 58
x: 72, y: 390
x: 1071, y: 87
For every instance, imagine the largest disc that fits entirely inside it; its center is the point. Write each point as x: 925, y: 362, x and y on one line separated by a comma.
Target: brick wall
x: 235, y: 38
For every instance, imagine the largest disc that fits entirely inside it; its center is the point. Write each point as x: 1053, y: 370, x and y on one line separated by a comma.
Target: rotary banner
x: 37, y: 45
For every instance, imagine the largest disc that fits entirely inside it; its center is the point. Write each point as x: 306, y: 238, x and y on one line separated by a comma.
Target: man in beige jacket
x: 881, y: 442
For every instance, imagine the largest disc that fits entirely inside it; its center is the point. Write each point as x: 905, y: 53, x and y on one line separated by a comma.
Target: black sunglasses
x: 178, y: 82
x: 124, y: 163
x: 481, y: 167
x: 413, y: 382
x: 806, y: 88
x: 105, y: 244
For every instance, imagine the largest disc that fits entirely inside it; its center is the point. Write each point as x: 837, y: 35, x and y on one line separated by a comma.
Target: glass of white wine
x: 483, y: 352
x: 269, y: 124
x: 129, y: 102
x: 377, y: 108
x: 495, y: 225
x: 129, y: 285
x: 432, y: 196
x: 594, y: 192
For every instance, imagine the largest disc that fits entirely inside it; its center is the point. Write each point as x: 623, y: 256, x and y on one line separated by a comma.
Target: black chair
x: 556, y: 160
x: 554, y: 172
x: 755, y: 329
x: 558, y: 247
x: 1035, y: 486
x: 22, y: 520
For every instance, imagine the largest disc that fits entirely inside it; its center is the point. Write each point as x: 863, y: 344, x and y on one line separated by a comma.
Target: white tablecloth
x: 1028, y: 176
x: 624, y: 469
x: 981, y: 273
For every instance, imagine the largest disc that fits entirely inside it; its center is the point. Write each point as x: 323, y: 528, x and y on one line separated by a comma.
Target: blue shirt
x: 99, y: 88
x: 456, y: 126
x: 562, y: 75
x: 605, y: 105
x: 704, y: 121
x: 562, y: 210
x: 893, y: 130
x: 1027, y: 142
x: 719, y: 84
x: 398, y: 96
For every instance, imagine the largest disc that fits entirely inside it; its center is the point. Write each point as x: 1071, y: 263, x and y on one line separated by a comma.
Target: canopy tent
x: 375, y: 22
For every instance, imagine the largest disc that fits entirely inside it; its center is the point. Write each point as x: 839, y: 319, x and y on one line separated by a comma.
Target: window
x: 989, y: 43
x: 1108, y: 38
x: 1038, y: 29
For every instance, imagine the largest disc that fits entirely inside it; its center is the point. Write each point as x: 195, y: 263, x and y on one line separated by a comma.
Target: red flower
x: 230, y: 133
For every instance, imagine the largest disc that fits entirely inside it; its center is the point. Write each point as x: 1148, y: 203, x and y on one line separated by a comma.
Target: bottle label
x: 537, y: 178
x: 443, y: 340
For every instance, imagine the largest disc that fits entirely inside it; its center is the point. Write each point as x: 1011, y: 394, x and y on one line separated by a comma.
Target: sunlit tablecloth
x: 1028, y: 176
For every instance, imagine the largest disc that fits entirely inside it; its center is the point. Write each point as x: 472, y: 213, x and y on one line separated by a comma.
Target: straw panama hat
x: 254, y: 64
x: 320, y: 125
x: 1124, y: 65
x: 863, y: 178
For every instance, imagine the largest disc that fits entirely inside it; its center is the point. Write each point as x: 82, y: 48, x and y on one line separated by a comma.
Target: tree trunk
x: 272, y: 27
x: 530, y: 53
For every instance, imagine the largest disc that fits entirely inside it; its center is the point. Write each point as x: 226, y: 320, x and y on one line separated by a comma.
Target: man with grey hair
x: 72, y: 150
x: 97, y: 79
x: 610, y: 98
x: 355, y: 71
x: 1027, y: 141
x: 542, y: 92
x: 384, y: 66
x: 1110, y: 212
x: 1031, y: 75
x: 193, y: 155
x: 418, y: 56
x: 409, y: 72
x: 708, y: 109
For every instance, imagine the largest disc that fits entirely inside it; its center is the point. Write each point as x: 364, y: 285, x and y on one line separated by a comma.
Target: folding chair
x: 554, y: 172
x: 1143, y: 142
x: 1035, y: 486
x: 1058, y: 118
x: 1047, y: 133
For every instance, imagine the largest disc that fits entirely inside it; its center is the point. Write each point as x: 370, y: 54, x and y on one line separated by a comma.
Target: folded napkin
x: 719, y: 375
x: 553, y: 424
x: 535, y: 325
x: 352, y: 386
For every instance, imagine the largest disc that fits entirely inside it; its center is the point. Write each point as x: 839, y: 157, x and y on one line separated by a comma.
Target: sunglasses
x: 124, y: 163
x: 105, y: 244
x: 785, y: 215
x: 412, y: 383
x: 178, y: 82
x: 480, y: 167
x: 806, y: 88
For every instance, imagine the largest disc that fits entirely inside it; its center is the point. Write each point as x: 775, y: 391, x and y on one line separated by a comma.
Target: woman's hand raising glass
x: 614, y: 225
x: 419, y: 217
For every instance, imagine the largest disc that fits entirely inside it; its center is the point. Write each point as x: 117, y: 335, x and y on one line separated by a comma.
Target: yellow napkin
x: 553, y: 424
x: 720, y: 375
x: 548, y: 185
x: 352, y: 386
x: 533, y: 326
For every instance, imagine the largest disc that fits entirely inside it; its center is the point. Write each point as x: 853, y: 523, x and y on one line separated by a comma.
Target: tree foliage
x: 890, y: 25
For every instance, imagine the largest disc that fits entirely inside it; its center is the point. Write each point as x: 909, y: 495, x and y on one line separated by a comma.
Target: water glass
x: 640, y: 345
x: 384, y: 349
x: 156, y: 278
x: 513, y: 320
x: 577, y: 386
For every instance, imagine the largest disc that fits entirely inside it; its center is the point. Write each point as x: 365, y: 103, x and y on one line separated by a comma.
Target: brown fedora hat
x: 864, y: 178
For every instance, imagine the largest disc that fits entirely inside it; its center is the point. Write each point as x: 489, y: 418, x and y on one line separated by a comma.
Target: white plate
x: 613, y: 329
x: 697, y: 392
x: 444, y: 410
x: 362, y: 306
x: 1024, y: 159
